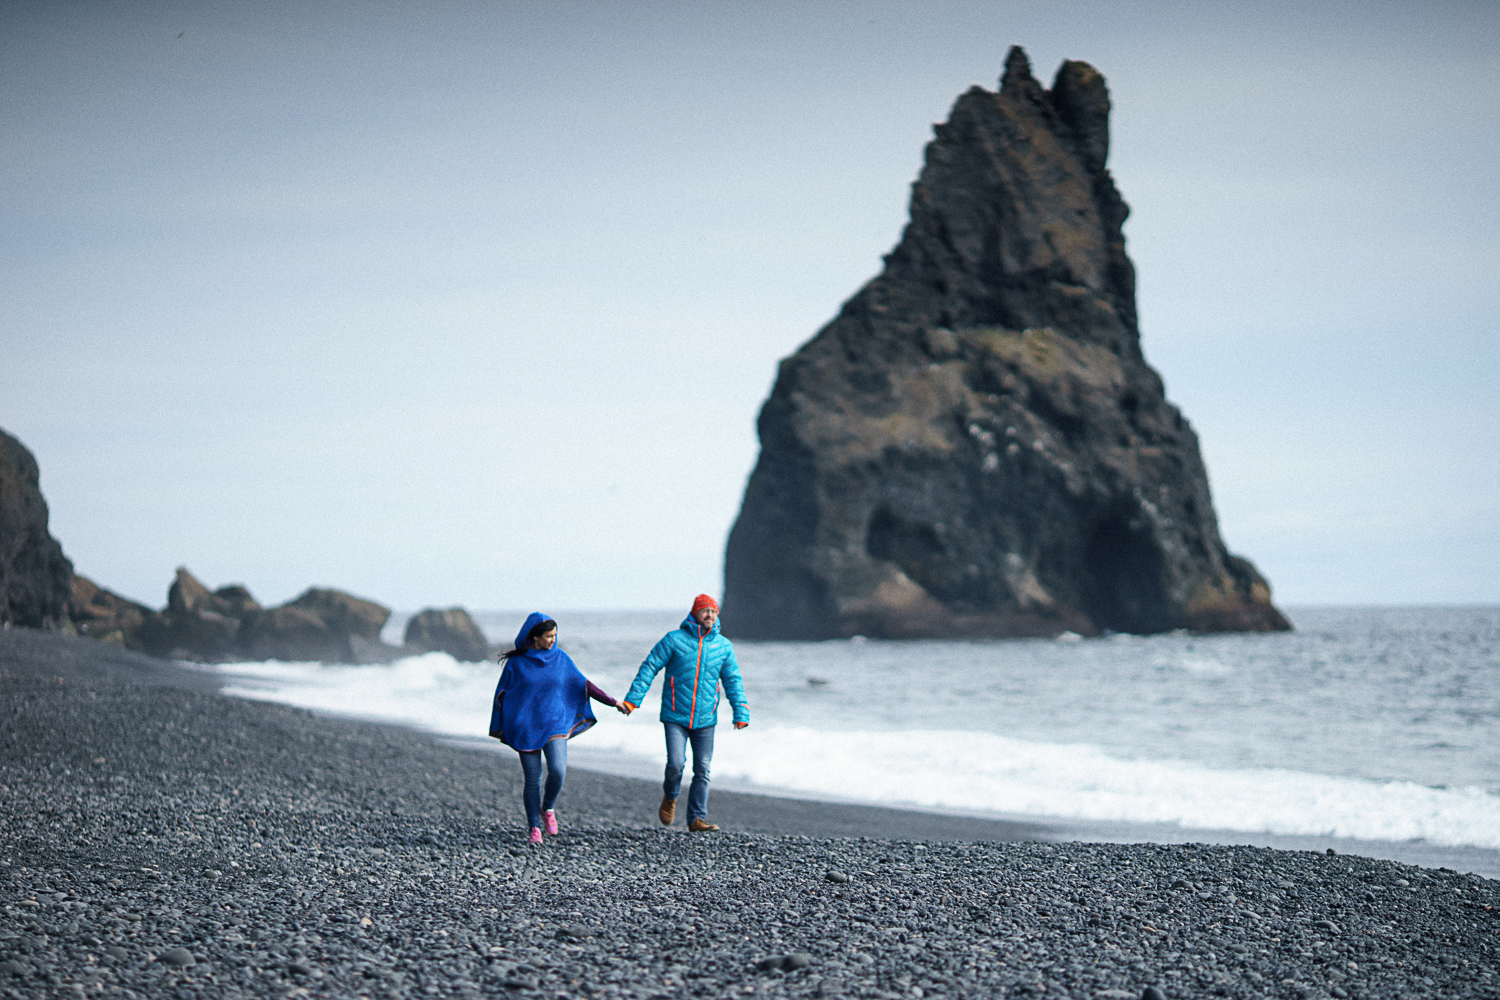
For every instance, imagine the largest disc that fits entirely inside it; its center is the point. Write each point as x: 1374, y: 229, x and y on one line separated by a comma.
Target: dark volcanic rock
x: 197, y: 623
x: 104, y: 615
x: 452, y: 631
x: 230, y: 624
x: 35, y: 576
x: 321, y: 624
x: 976, y: 445
x: 187, y: 595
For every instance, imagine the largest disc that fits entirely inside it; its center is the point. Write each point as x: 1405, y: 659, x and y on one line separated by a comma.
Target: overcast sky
x: 476, y: 303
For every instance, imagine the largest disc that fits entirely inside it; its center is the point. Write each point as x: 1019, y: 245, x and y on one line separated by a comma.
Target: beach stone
x: 837, y: 876
x: 1327, y: 925
x: 179, y: 957
x: 796, y: 960
x: 1152, y: 993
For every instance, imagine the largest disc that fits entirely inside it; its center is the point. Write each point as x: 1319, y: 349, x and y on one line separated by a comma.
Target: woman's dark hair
x: 540, y: 628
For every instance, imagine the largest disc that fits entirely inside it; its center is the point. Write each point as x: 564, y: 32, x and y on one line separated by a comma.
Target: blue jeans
x: 702, y: 739
x: 556, y: 752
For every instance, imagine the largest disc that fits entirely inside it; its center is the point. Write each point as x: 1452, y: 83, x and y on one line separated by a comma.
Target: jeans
x: 556, y: 752
x: 702, y: 739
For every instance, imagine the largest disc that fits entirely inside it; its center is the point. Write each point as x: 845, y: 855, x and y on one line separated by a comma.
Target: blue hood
x: 523, y: 637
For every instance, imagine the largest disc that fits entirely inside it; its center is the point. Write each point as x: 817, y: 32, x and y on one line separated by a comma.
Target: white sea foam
x: 432, y: 691
x: 957, y: 770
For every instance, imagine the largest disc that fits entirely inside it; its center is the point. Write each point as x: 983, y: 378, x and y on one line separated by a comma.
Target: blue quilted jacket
x: 696, y: 665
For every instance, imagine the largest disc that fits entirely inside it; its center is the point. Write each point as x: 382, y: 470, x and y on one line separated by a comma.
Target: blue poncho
x: 541, y: 694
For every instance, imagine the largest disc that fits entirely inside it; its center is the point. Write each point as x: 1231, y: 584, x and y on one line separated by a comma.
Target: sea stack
x: 975, y: 445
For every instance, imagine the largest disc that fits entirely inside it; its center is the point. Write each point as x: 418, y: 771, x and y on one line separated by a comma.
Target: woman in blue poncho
x: 541, y: 702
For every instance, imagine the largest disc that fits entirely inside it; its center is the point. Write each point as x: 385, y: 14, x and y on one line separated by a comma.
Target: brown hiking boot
x: 702, y: 826
x: 667, y: 812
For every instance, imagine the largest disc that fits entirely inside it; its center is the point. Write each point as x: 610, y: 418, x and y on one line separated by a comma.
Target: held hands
x: 625, y: 708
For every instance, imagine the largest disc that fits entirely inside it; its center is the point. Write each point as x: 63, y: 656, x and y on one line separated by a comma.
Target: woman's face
x: 546, y: 640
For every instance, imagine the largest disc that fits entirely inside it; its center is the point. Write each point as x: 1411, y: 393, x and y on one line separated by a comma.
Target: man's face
x: 706, y: 617
x: 546, y: 640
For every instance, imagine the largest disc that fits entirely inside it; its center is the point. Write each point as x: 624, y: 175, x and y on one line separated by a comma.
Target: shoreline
x: 936, y: 821
x: 158, y: 835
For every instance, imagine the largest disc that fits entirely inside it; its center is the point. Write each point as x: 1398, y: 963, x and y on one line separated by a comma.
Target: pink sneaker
x: 550, y: 818
x: 536, y: 836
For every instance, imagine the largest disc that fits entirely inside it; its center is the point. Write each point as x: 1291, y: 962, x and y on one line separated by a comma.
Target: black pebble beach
x: 159, y: 839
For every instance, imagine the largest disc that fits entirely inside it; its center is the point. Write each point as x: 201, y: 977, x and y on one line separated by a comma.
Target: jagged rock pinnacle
x: 975, y: 444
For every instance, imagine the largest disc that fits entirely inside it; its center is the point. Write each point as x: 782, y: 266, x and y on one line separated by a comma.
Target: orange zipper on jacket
x: 673, y: 681
x: 693, y: 708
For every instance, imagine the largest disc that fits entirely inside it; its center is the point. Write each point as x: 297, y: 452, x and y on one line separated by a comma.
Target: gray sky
x: 476, y: 303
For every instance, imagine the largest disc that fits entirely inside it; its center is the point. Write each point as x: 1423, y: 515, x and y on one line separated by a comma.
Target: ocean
x: 1370, y: 730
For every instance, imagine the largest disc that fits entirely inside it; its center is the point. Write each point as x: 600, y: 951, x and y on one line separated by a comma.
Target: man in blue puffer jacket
x: 697, y: 660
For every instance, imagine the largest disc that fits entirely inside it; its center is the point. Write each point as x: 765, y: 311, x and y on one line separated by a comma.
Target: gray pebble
x: 461, y: 900
x: 837, y: 876
x: 179, y: 957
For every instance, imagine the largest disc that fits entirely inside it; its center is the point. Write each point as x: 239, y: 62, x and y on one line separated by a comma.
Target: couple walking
x: 542, y: 701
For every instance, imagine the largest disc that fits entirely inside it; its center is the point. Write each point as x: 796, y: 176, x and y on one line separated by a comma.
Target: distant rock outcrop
x: 199, y: 623
x: 976, y: 445
x: 108, y: 617
x: 35, y: 576
x: 38, y: 589
x: 230, y: 624
x: 321, y: 624
x: 450, y: 631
